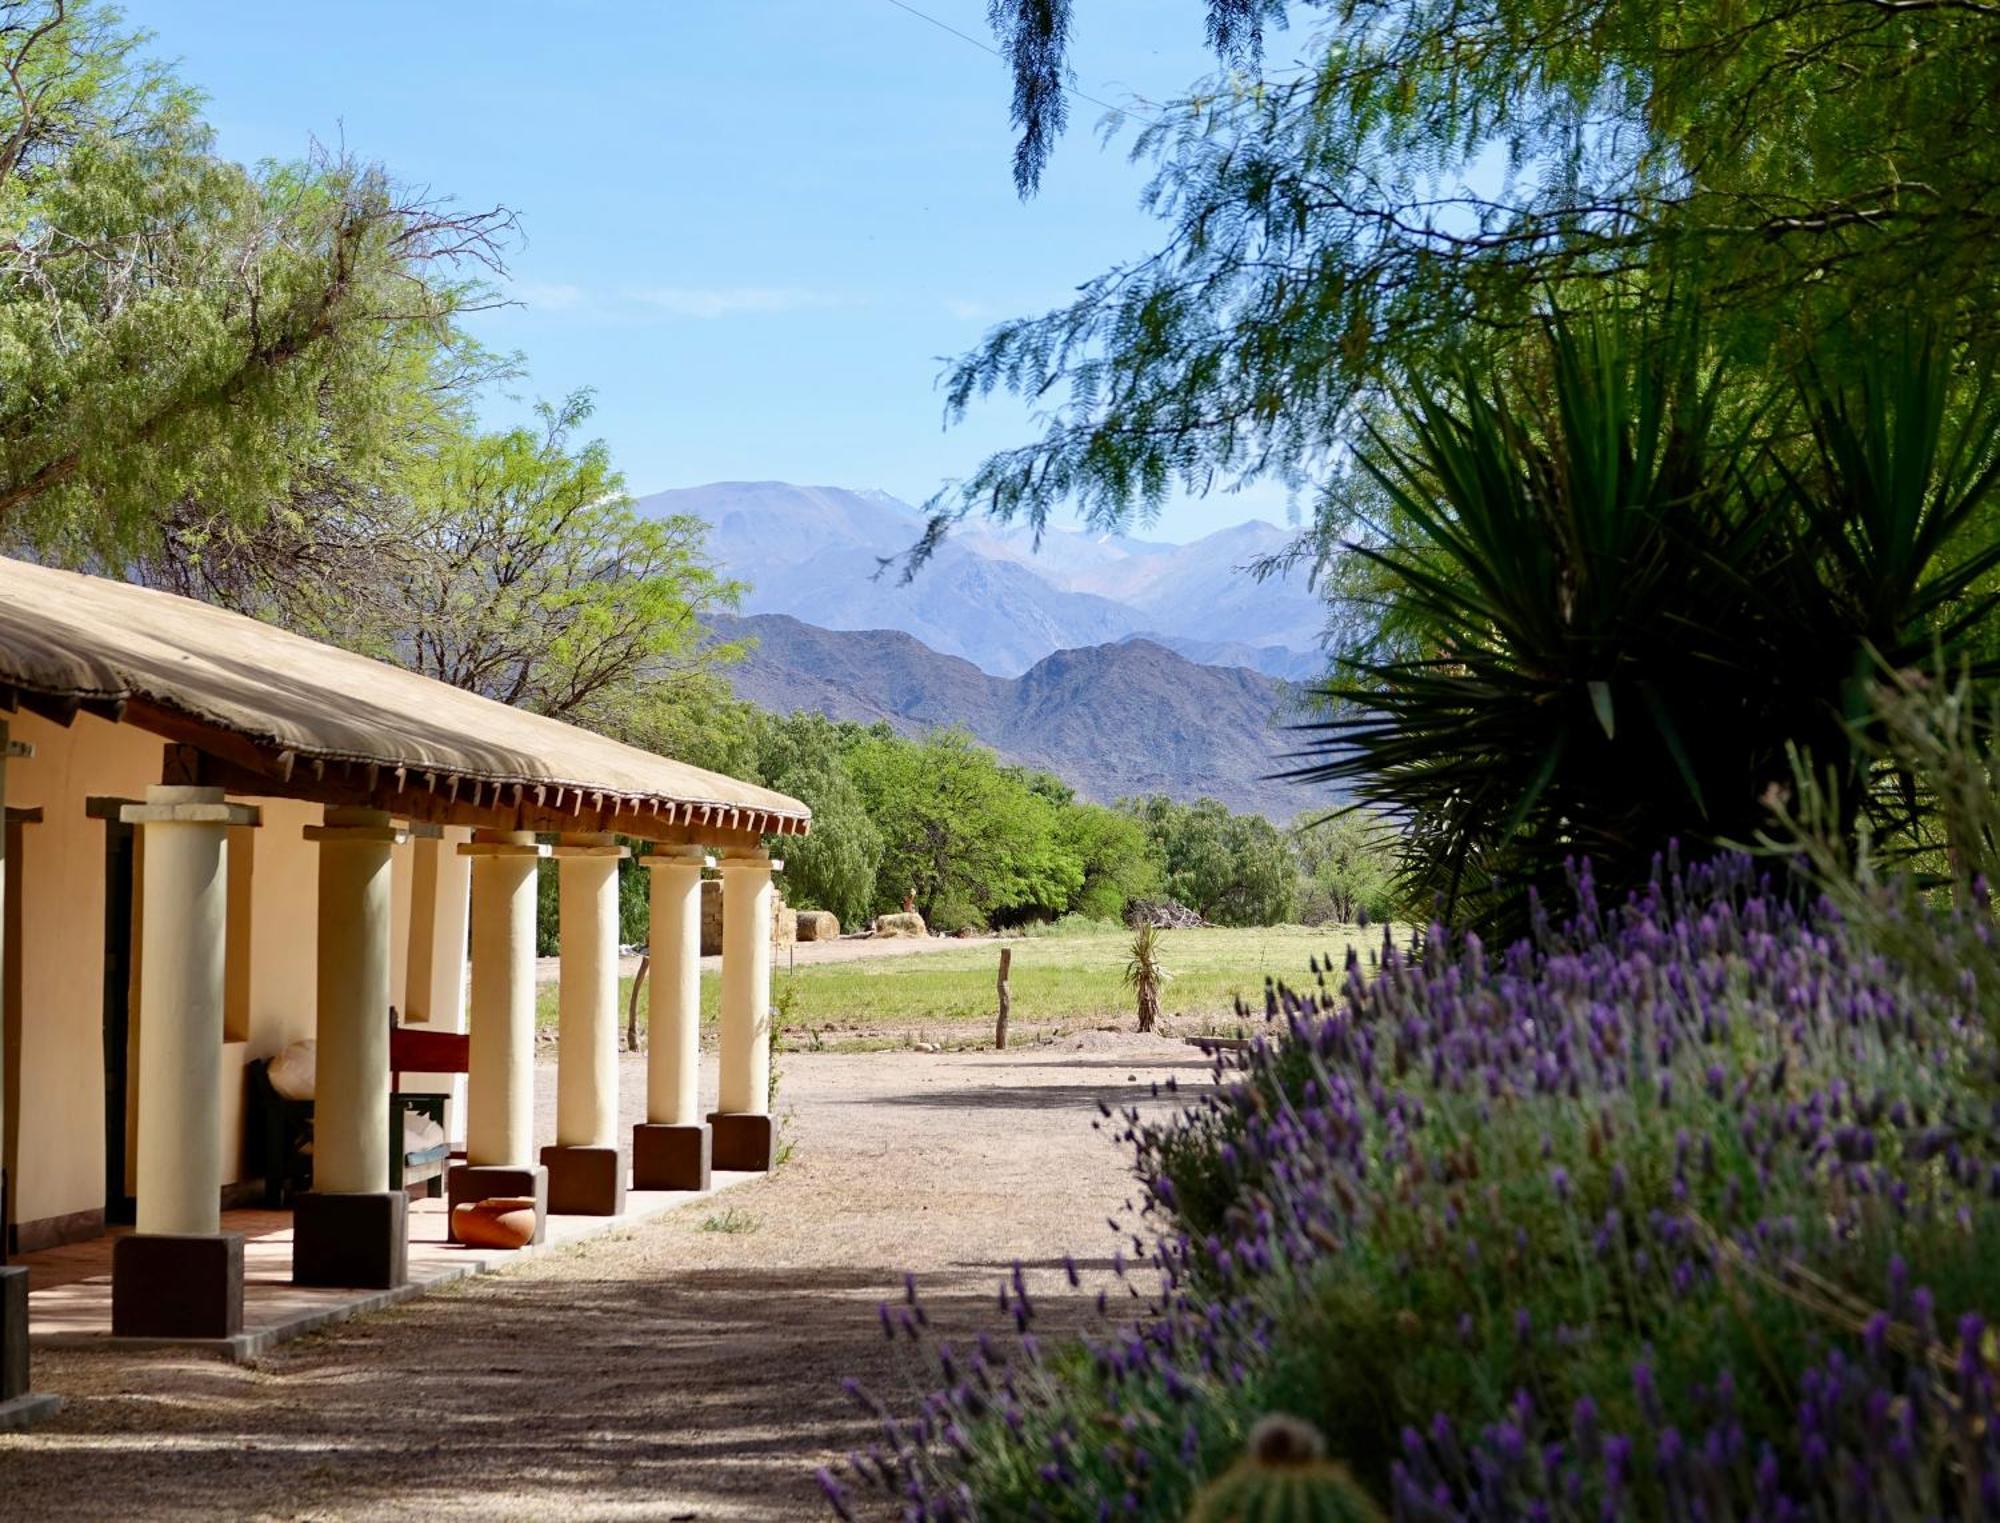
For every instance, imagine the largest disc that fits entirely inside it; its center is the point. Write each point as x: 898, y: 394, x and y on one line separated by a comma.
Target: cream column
x: 745, y: 1036
x: 671, y: 1148
x: 587, y: 1032
x: 586, y: 1175
x: 673, y: 991
x: 351, y: 1098
x: 500, y: 1110
x: 184, y: 894
x: 351, y: 1228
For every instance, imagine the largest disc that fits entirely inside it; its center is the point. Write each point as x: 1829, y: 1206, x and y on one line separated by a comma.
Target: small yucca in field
x: 1144, y: 974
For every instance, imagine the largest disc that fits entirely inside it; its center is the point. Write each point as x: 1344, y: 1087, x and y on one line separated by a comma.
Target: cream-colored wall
x: 61, y: 1163
x: 61, y: 1166
x: 284, y: 943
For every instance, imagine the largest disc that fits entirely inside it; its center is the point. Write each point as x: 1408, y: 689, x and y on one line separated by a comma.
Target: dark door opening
x: 119, y: 853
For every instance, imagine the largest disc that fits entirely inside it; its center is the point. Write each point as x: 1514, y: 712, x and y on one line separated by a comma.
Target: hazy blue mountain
x: 1113, y: 720
x: 988, y: 595
x: 1272, y: 660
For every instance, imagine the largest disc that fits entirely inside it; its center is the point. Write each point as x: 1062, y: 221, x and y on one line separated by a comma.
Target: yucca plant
x: 1637, y: 584
x: 1144, y: 973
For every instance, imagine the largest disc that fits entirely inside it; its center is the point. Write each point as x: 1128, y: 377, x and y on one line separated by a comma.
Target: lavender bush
x: 1687, y: 1209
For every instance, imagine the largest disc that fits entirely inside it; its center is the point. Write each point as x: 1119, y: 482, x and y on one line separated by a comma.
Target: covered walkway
x: 222, y: 839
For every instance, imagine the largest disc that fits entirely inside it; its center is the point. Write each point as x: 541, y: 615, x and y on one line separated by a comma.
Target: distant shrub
x: 1072, y: 925
x: 1680, y: 1210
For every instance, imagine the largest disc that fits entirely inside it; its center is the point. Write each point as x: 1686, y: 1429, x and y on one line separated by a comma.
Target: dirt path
x: 688, y: 1369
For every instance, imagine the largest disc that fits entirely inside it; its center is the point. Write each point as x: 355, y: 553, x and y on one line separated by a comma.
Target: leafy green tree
x: 1347, y: 867
x: 1111, y: 849
x: 523, y: 573
x: 966, y: 838
x: 1234, y: 869
x: 834, y: 867
x: 174, y: 323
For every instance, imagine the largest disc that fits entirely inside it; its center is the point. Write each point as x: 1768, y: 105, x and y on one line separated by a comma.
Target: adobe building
x: 221, y: 837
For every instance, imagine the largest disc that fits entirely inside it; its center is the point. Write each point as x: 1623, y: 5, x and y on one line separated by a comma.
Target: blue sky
x: 754, y: 227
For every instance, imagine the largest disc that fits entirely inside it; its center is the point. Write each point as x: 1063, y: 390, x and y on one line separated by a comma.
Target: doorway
x: 120, y: 855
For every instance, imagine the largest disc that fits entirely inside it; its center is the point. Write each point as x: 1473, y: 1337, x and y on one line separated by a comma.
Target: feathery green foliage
x: 174, y: 323
x: 1430, y: 175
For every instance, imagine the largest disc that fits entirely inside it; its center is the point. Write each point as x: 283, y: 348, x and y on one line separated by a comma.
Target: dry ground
x: 687, y: 1369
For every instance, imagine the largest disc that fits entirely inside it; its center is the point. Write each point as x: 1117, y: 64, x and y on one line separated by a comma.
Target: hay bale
x: 784, y: 925
x: 818, y: 925
x: 903, y: 923
x: 711, y: 917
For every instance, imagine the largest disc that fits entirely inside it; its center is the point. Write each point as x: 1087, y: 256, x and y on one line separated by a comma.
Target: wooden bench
x: 281, y: 1139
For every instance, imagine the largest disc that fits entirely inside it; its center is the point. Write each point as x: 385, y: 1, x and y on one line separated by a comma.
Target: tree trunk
x: 1149, y: 1004
x: 632, y: 1009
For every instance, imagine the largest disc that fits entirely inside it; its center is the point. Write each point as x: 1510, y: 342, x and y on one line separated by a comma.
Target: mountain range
x: 1125, y: 666
x: 1113, y: 720
x: 831, y: 557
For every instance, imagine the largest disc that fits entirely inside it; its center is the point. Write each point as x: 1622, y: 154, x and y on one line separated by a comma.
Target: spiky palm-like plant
x: 1144, y: 974
x: 1637, y: 585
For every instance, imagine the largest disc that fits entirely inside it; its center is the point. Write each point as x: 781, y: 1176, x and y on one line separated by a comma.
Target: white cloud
x: 547, y: 296
x: 731, y: 301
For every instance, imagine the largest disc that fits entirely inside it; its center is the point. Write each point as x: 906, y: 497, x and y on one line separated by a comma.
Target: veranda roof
x: 223, y: 682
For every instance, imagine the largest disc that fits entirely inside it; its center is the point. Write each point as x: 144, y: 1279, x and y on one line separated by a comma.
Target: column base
x: 744, y: 1142
x: 13, y: 1333
x: 585, y: 1181
x: 470, y: 1182
x: 177, y: 1285
x: 359, y: 1239
x: 670, y: 1157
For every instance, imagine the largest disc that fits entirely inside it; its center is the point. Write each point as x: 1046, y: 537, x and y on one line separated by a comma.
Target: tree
x: 1347, y: 867
x: 1111, y: 850
x: 1235, y: 869
x: 969, y: 840
x: 834, y: 867
x: 1437, y: 173
x: 173, y: 323
x: 523, y: 573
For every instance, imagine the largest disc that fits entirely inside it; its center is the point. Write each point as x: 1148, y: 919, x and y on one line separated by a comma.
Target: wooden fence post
x: 1006, y: 1000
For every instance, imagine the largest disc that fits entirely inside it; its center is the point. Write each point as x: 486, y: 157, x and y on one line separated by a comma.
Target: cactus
x: 1284, y: 1477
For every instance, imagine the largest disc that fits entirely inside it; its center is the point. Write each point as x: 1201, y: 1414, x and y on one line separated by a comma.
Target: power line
x: 987, y: 47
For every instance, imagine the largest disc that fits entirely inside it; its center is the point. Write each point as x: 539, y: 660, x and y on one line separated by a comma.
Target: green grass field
x: 1060, y: 983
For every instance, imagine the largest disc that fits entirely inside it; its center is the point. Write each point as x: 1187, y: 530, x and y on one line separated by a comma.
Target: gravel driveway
x: 687, y: 1369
